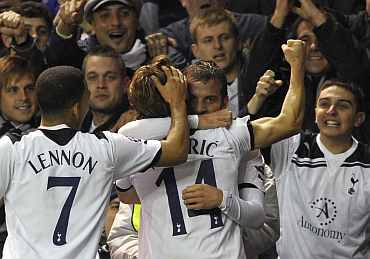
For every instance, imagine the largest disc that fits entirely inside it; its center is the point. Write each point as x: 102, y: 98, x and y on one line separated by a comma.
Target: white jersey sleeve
x: 123, y: 239
x: 131, y: 155
x: 282, y: 153
x: 252, y: 171
x: 6, y: 151
x: 242, y: 135
x: 139, y: 128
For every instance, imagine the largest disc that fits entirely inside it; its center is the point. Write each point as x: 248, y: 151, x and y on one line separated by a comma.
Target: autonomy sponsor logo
x: 325, y: 212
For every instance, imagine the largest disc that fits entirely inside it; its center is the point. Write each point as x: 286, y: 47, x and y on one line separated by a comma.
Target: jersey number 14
x: 206, y: 175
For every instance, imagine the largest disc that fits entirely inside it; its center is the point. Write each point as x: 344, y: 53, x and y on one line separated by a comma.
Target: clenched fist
x: 294, y: 52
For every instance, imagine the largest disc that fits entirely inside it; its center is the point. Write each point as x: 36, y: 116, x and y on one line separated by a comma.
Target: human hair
x: 106, y: 52
x: 294, y: 28
x: 212, y: 18
x: 14, y: 66
x: 349, y: 86
x: 58, y: 89
x: 32, y: 9
x: 143, y: 94
x: 204, y: 71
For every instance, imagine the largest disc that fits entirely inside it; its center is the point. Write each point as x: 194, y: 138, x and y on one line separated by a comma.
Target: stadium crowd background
x: 110, y: 40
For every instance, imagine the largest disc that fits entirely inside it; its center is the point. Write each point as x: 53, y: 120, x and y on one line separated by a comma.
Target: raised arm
x: 288, y: 122
x: 175, y: 147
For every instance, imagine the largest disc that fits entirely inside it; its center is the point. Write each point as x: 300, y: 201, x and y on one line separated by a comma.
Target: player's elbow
x: 258, y: 217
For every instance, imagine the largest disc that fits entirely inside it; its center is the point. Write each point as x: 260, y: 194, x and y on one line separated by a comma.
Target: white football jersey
x: 56, y: 184
x: 324, y: 199
x: 168, y: 229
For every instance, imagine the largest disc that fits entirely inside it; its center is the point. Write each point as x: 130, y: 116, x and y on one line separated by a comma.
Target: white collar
x: 56, y: 127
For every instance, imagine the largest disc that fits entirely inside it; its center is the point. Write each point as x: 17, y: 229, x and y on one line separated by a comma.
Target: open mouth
x: 116, y: 35
x: 205, y: 6
x: 24, y: 107
x: 331, y: 123
x: 220, y: 56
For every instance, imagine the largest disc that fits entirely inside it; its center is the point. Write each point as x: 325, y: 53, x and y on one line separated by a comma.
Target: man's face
x: 115, y: 26
x: 336, y: 113
x: 216, y: 43
x: 18, y: 99
x: 38, y: 30
x: 205, y: 97
x: 199, y: 7
x: 315, y: 61
x: 106, y: 82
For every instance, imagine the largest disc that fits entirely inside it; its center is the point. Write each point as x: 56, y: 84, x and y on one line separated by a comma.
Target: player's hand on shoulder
x: 174, y: 90
x: 202, y: 196
x: 218, y: 119
x: 294, y: 52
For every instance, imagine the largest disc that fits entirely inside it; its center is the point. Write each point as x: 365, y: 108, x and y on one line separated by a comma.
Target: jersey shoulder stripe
x: 360, y: 156
x: 308, y: 153
x: 308, y: 147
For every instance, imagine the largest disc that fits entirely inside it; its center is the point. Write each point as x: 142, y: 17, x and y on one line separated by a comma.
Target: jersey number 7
x: 60, y: 231
x: 206, y: 174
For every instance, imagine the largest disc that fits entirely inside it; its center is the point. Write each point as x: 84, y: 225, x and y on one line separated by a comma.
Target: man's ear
x: 195, y: 50
x: 225, y: 102
x: 359, y: 119
x: 125, y: 83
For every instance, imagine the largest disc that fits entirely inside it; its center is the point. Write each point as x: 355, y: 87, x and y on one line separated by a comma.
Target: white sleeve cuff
x: 193, y: 121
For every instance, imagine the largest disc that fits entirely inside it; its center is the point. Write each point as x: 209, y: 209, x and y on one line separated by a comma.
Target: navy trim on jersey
x: 100, y: 135
x: 60, y: 136
x: 246, y: 185
x: 251, y: 133
x: 309, y: 154
x: 155, y: 160
x: 309, y: 164
x: 16, y: 134
x: 123, y: 189
x: 308, y: 147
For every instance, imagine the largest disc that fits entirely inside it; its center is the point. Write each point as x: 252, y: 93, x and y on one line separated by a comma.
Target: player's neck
x: 50, y: 121
x: 337, y: 145
x: 100, y: 118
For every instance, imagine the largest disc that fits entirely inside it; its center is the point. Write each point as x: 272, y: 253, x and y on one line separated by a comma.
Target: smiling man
x: 323, y: 180
x: 18, y: 107
x: 114, y: 24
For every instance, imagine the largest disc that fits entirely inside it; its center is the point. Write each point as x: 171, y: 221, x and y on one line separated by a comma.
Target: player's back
x: 168, y: 228
x: 57, y: 191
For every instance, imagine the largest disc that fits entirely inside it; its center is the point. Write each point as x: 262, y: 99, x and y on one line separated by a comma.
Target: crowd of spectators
x: 109, y: 40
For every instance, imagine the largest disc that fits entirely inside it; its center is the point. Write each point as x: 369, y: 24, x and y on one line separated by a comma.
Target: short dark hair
x: 31, y: 9
x: 349, y: 86
x: 204, y: 71
x: 143, y: 94
x: 12, y: 66
x: 59, y: 88
x: 107, y: 52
